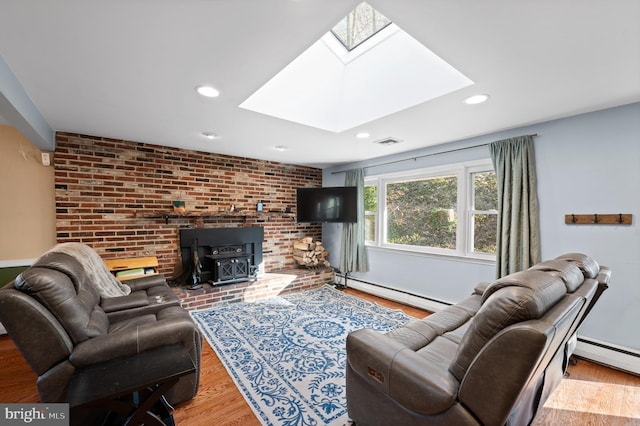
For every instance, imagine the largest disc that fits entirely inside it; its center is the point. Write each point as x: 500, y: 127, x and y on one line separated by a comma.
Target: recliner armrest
x: 480, y: 287
x: 133, y: 340
x: 130, y: 301
x: 145, y: 282
x: 410, y: 379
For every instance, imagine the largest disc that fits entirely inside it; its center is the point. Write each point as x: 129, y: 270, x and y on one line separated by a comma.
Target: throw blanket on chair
x: 95, y: 268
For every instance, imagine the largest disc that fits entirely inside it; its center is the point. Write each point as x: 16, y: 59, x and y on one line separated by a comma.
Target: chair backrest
x: 513, y: 299
x: 524, y: 320
x: 522, y: 328
x: 37, y: 334
x: 58, y: 282
x: 590, y: 269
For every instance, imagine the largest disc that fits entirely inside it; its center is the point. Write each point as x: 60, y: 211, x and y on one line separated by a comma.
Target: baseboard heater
x: 401, y: 296
x: 611, y: 355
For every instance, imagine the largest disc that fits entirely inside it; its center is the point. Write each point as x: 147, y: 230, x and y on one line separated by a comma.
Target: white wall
x: 588, y: 163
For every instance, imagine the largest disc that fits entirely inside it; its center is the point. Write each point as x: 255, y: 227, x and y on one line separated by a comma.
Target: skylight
x: 359, y: 25
x: 330, y: 88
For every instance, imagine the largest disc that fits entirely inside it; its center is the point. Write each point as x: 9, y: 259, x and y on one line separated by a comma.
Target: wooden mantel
x: 199, y: 216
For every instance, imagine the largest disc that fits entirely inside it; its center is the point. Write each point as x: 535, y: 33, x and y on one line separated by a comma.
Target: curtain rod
x: 424, y: 156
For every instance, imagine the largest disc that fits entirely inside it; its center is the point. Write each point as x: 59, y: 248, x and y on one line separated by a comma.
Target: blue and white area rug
x: 287, y: 354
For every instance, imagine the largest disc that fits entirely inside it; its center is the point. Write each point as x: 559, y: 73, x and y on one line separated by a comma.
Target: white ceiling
x: 127, y: 69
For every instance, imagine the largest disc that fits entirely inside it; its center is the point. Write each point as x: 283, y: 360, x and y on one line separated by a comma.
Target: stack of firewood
x: 309, y: 253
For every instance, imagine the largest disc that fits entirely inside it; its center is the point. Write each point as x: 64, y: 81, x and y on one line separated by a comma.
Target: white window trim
x: 469, y: 232
x: 464, y: 234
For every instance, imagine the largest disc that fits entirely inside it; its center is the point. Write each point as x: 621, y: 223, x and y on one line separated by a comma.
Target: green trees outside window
x: 370, y: 212
x: 484, y: 212
x: 423, y: 212
x: 448, y: 212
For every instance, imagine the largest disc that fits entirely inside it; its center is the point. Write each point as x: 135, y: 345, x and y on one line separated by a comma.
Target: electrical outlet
x: 46, y: 158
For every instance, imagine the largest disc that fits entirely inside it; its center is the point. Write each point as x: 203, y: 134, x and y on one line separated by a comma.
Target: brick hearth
x: 269, y: 284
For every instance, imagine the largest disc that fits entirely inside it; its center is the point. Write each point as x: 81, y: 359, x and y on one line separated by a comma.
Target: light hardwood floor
x: 590, y: 395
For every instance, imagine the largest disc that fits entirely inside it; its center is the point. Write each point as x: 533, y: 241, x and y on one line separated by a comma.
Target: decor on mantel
x: 199, y: 215
x: 179, y: 207
x: 599, y: 219
x: 287, y: 354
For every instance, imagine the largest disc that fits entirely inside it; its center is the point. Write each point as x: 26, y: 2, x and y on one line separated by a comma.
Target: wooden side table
x: 130, y: 387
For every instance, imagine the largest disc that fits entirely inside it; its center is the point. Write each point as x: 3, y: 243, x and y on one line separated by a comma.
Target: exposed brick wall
x: 102, y: 184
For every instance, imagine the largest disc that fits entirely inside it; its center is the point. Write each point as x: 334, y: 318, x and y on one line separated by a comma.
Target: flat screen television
x: 329, y: 204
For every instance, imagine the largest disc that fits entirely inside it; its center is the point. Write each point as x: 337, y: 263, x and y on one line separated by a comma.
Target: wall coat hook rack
x: 599, y: 219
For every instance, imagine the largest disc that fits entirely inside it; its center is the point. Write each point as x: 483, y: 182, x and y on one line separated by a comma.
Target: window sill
x: 441, y: 256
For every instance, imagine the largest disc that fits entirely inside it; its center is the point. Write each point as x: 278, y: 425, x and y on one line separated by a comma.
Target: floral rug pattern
x: 287, y: 353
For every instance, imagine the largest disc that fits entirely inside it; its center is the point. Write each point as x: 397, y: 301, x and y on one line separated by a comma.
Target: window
x: 484, y: 212
x: 370, y: 212
x: 422, y: 212
x: 359, y: 25
x: 444, y: 210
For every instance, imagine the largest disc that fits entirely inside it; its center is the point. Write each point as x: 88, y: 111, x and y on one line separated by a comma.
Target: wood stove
x: 230, y: 264
x: 220, y: 255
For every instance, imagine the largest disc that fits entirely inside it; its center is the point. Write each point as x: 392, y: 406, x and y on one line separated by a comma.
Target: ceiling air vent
x: 388, y: 141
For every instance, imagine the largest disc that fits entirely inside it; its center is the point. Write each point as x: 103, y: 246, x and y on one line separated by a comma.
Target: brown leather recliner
x: 492, y: 359
x: 54, y: 315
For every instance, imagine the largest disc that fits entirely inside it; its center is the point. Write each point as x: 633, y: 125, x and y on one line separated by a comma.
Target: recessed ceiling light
x: 476, y: 99
x: 362, y: 135
x: 280, y: 148
x: 207, y: 91
x: 209, y: 135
